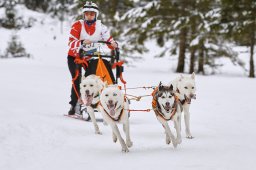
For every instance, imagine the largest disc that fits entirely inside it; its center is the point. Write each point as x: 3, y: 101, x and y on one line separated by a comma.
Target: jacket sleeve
x: 74, y: 37
x: 105, y: 35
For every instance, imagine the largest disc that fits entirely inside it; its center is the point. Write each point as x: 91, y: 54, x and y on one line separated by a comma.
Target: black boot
x: 71, y: 111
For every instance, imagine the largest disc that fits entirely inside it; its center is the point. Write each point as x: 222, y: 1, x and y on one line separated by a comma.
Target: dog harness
x: 182, y: 102
x: 118, y: 118
x: 157, y: 109
x: 96, y: 104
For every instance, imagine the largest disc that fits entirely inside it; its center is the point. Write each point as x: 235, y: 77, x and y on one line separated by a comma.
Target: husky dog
x: 114, y: 109
x: 166, y: 108
x: 185, y: 88
x: 90, y: 89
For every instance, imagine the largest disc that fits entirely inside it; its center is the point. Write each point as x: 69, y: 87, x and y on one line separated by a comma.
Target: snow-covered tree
x: 239, y: 20
x: 15, y: 48
x: 193, y: 26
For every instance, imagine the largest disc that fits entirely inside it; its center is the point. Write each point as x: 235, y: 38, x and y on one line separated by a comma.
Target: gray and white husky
x: 114, y: 109
x: 90, y: 89
x: 166, y: 108
x: 185, y: 88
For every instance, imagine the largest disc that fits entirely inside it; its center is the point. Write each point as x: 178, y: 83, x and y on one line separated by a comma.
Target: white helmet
x: 91, y: 7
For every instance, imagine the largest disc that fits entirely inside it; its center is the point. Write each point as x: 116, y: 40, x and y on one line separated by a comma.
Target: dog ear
x: 160, y: 86
x: 171, y: 87
x: 193, y: 75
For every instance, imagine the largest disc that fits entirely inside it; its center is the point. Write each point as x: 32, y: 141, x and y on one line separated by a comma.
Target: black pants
x: 72, y: 69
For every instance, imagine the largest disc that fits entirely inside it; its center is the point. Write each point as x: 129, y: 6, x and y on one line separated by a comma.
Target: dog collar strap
x: 159, y: 114
x: 118, y: 118
x: 97, y: 95
x: 182, y: 101
x: 95, y: 105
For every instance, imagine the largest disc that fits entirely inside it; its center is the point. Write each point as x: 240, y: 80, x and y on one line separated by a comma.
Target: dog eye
x: 163, y: 97
x: 170, y: 96
x: 91, y: 85
x: 193, y: 87
x: 186, y: 87
x: 114, y: 94
x: 84, y: 85
x: 106, y: 95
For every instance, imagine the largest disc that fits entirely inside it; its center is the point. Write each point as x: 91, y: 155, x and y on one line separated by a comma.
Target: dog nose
x: 193, y: 96
x: 110, y: 101
x: 167, y: 103
x: 87, y: 92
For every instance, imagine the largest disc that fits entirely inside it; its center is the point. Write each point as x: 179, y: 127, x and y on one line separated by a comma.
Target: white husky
x: 166, y: 108
x: 90, y: 89
x: 185, y: 88
x: 114, y: 109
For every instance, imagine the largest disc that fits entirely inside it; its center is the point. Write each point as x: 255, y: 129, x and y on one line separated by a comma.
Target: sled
x: 101, y: 64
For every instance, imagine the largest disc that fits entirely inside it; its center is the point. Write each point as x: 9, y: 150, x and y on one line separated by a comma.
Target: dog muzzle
x: 167, y: 107
x: 112, y: 108
x: 88, y: 99
x: 188, y: 99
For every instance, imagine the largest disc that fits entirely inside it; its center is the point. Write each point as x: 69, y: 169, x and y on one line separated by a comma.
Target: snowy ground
x: 34, y: 134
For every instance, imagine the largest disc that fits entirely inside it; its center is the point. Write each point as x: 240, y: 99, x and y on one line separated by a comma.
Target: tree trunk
x: 193, y: 48
x: 192, y: 60
x: 182, y: 50
x: 201, y: 57
x: 251, y: 69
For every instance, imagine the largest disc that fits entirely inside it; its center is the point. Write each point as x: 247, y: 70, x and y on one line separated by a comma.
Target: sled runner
x: 80, y: 117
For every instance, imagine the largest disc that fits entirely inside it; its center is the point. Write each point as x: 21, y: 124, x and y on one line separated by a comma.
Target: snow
x: 34, y: 134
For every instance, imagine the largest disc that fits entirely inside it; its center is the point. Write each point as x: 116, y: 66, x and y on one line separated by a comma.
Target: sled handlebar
x: 103, y: 42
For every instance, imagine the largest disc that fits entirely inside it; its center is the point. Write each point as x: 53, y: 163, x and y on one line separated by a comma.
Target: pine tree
x: 240, y: 23
x: 9, y: 20
x: 15, y: 48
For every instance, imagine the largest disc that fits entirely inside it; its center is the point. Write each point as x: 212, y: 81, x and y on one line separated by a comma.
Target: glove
x: 114, y: 44
x: 86, y: 42
x: 78, y: 61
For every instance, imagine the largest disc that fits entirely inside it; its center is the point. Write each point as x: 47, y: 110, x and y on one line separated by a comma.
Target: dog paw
x: 114, y: 140
x: 179, y: 141
x: 125, y: 150
x: 129, y: 144
x: 98, y: 132
x: 168, y: 141
x: 189, y: 137
x: 174, y: 143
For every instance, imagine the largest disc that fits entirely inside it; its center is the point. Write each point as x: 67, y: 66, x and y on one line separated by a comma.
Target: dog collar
x: 97, y: 95
x: 118, y: 118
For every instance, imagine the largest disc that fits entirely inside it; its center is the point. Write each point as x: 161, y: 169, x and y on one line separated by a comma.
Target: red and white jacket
x: 81, y: 31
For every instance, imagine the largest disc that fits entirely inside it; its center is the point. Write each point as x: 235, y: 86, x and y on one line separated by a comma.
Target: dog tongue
x: 88, y: 100
x: 111, y: 109
x: 112, y: 112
